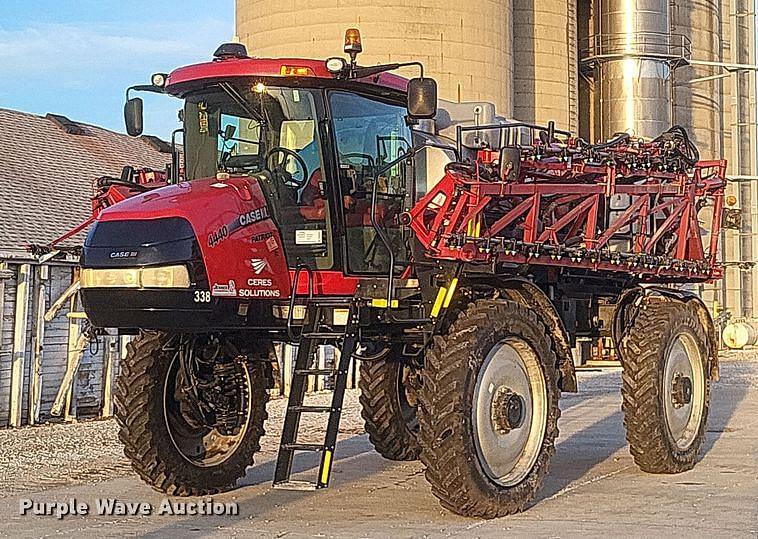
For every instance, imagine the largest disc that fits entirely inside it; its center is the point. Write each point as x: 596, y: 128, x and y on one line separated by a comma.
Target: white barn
x: 47, y: 168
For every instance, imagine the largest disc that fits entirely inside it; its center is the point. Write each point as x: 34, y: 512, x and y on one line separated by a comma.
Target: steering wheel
x: 279, y: 171
x: 362, y: 156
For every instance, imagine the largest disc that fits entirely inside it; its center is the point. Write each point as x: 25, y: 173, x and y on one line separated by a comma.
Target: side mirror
x: 510, y: 163
x: 422, y: 98
x: 133, y: 116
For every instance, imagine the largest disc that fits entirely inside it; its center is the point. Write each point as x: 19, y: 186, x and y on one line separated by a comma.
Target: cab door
x: 369, y: 132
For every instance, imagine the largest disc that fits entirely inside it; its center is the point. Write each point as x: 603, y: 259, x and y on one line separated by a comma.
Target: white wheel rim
x: 511, y: 368
x: 683, y: 416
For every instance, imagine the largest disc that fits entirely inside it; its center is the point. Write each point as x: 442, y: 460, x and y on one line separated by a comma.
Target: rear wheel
x: 489, y: 410
x: 190, y: 411
x: 665, y: 388
x: 389, y: 403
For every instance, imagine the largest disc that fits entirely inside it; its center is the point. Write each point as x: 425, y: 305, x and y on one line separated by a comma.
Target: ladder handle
x: 293, y: 296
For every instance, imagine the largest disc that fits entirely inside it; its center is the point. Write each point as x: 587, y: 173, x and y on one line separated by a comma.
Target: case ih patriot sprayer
x: 458, y: 255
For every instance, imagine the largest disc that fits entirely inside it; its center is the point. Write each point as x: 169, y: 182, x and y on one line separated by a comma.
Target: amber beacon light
x: 353, y: 41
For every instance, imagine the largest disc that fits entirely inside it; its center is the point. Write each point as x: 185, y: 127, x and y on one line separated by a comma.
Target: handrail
x: 652, y: 45
x: 293, y: 296
x: 374, y: 195
x: 461, y: 129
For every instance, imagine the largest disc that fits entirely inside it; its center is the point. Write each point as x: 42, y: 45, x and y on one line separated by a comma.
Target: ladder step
x: 302, y: 447
x: 323, y: 335
x: 314, y: 330
x: 295, y: 485
x: 329, y: 302
x: 315, y: 372
x: 314, y: 409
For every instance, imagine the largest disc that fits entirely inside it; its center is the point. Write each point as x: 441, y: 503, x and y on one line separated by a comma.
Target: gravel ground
x: 51, y: 455
x: 593, y: 488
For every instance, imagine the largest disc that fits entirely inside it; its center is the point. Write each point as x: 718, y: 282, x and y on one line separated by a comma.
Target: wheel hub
x: 210, y: 388
x: 206, y: 401
x: 681, y: 390
x: 508, y: 410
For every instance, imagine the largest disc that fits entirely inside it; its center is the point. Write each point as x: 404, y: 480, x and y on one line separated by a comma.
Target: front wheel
x: 666, y: 389
x: 190, y: 411
x: 489, y: 410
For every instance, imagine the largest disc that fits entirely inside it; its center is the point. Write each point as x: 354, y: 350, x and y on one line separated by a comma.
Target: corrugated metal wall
x: 88, y: 381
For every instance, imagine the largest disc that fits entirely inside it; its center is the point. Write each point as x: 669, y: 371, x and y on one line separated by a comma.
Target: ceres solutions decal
x: 260, y: 287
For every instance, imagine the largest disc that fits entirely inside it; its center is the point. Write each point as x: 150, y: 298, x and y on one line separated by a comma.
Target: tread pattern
x: 147, y: 444
x: 642, y: 350
x: 446, y: 433
x: 387, y: 429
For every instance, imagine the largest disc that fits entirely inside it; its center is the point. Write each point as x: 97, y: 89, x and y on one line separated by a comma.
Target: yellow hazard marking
x: 381, y: 303
x: 325, y: 467
x: 450, y: 292
x: 438, y: 302
x: 474, y: 228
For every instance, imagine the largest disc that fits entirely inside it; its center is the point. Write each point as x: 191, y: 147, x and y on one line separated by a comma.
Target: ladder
x: 311, y: 336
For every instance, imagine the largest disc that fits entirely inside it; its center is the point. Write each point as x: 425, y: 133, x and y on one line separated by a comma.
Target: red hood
x: 219, y: 200
x: 231, y: 221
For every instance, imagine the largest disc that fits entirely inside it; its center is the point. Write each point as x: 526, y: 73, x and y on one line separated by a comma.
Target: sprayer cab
x: 279, y: 159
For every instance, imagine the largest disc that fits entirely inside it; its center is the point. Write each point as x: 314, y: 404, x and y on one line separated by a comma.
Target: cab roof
x: 269, y: 67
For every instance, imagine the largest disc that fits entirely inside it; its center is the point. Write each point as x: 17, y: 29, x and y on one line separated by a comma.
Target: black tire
x: 389, y: 415
x: 139, y: 399
x: 454, y: 463
x: 644, y: 348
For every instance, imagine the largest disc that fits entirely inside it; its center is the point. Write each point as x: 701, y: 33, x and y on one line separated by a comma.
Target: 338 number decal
x: 202, y: 296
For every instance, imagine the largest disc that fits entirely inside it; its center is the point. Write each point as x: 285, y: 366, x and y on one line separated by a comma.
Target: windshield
x: 241, y: 128
x: 250, y: 128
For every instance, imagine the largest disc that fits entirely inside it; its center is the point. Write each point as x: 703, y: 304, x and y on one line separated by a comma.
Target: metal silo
x: 545, y: 60
x: 466, y: 46
x: 632, y: 51
x: 741, y: 126
x: 697, y: 96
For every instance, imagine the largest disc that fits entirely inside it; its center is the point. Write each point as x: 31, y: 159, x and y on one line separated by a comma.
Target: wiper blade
x: 235, y: 95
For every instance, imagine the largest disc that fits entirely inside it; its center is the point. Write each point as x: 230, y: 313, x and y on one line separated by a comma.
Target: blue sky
x: 77, y: 57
